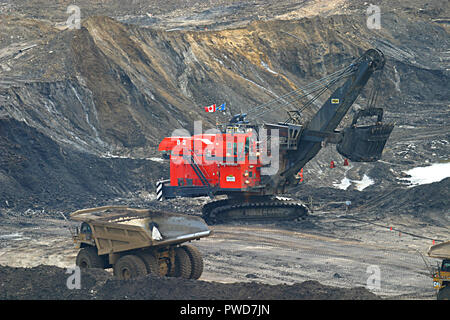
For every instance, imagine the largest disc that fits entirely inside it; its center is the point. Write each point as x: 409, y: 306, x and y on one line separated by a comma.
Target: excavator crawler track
x: 229, y: 210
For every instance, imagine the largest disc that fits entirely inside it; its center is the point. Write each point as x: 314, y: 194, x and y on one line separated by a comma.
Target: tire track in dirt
x: 278, y: 256
x: 263, y: 253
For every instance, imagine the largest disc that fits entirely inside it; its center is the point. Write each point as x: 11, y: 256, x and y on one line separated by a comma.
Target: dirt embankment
x: 50, y: 283
x: 420, y: 201
x: 36, y: 173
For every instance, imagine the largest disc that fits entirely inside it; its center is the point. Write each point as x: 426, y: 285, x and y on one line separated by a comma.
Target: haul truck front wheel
x: 444, y: 293
x: 151, y: 263
x: 182, y: 267
x: 129, y: 267
x: 196, y: 261
x: 88, y: 258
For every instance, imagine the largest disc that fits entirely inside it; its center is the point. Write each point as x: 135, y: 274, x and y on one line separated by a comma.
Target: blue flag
x: 221, y: 107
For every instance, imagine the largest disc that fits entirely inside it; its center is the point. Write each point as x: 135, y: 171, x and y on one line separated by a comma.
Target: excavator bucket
x: 365, y: 143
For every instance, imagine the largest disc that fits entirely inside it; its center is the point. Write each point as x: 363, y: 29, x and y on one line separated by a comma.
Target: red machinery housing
x: 218, y: 162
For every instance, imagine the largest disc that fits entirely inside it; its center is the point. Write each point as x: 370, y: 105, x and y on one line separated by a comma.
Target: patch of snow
x: 266, y: 66
x: 360, y: 184
x: 424, y: 175
x: 397, y: 80
x: 283, y: 198
x: 345, y: 183
x: 12, y: 236
x: 219, y: 61
x: 363, y: 183
x: 109, y: 155
x: 161, y: 160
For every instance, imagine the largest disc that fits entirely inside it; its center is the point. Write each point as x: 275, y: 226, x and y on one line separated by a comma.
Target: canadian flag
x: 211, y: 108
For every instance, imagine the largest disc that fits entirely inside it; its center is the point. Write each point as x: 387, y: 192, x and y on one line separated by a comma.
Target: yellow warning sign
x: 335, y: 101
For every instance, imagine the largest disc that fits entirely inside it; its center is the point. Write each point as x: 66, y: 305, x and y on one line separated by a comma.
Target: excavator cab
x: 365, y: 143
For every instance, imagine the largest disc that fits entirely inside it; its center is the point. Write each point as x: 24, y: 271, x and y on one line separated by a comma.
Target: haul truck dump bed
x: 440, y: 250
x: 136, y: 242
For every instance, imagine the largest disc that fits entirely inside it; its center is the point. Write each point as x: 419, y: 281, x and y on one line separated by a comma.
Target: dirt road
x: 347, y: 258
x: 325, y: 247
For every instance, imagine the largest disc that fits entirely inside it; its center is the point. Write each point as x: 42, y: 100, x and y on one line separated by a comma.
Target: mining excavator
x: 255, y: 164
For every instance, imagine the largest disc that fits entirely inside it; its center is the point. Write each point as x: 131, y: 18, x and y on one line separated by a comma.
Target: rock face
x: 116, y: 87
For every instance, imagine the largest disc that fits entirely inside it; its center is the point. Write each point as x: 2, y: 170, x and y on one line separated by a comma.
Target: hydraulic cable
x: 297, y: 96
x: 304, y: 91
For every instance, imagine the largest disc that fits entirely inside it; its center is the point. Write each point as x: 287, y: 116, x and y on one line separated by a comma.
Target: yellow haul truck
x: 137, y: 242
x: 441, y: 275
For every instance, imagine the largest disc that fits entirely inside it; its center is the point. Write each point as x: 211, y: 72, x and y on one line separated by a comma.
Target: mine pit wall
x: 118, y: 89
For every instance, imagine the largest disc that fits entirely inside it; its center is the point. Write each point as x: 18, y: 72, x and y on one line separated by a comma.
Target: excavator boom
x: 327, y: 119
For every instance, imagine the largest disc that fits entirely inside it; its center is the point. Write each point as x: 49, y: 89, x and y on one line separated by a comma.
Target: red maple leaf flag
x: 211, y: 108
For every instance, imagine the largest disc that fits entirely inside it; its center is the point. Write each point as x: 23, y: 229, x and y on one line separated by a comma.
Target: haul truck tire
x: 182, y: 266
x: 129, y: 267
x: 151, y: 263
x: 196, y: 261
x: 444, y: 293
x: 88, y: 258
